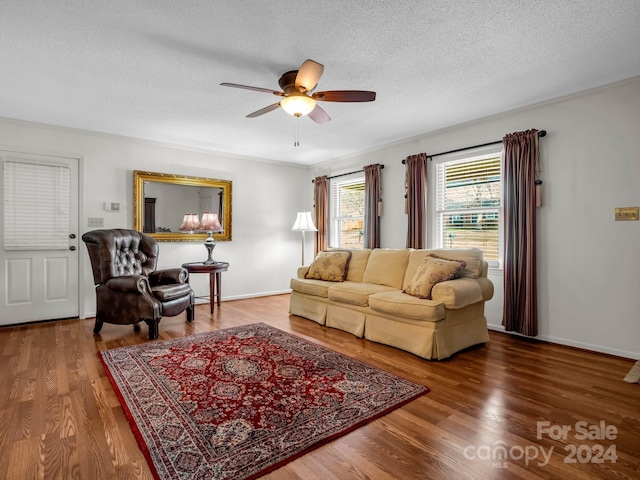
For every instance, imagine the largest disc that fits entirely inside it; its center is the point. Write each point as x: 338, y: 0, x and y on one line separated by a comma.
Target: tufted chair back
x: 118, y: 252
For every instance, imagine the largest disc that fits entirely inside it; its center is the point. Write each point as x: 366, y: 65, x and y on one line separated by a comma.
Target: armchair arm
x: 169, y: 276
x: 129, y: 284
x: 137, y: 286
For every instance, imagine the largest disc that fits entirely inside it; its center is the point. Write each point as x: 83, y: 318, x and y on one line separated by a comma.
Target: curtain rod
x: 541, y: 133
x: 344, y: 174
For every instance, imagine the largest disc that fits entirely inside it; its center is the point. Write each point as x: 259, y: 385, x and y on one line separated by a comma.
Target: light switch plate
x: 626, y: 213
x: 96, y: 222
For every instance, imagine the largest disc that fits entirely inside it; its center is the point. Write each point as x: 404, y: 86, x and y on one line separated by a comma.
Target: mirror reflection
x: 165, y: 205
x: 162, y: 202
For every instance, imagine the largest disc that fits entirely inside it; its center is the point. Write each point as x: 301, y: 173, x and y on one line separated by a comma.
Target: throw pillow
x: 430, y: 271
x: 471, y: 256
x: 331, y: 266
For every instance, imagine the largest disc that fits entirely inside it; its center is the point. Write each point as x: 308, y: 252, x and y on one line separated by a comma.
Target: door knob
x: 73, y: 235
x: 72, y: 248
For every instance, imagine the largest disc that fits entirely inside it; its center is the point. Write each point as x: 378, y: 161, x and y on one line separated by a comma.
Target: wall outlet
x: 626, y: 213
x: 96, y: 222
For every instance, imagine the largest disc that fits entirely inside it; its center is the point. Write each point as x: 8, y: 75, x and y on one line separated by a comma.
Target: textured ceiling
x: 152, y: 69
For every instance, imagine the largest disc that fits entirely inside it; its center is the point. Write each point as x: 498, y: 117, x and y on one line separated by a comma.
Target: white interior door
x: 39, y: 238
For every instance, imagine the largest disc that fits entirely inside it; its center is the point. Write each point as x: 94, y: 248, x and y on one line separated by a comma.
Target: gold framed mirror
x: 161, y: 201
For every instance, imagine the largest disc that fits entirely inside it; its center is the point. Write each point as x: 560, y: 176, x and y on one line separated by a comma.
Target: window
x: 36, y: 206
x: 346, y: 223
x: 468, y: 205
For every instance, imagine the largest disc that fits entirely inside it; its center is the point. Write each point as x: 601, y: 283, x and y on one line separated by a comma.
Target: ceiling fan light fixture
x: 298, y: 105
x: 296, y: 95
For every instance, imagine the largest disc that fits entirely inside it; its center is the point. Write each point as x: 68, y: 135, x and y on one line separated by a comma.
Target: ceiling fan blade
x: 264, y: 110
x: 256, y: 89
x: 318, y: 115
x: 308, y: 75
x: 345, y: 96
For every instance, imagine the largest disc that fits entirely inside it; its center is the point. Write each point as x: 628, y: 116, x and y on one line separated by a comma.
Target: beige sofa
x: 370, y: 302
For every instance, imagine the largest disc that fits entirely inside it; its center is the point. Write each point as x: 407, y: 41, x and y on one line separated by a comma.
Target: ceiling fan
x: 299, y: 98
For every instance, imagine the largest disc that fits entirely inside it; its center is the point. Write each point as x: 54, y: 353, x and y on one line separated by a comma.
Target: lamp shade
x: 304, y: 223
x: 210, y: 222
x: 190, y: 222
x: 298, y: 104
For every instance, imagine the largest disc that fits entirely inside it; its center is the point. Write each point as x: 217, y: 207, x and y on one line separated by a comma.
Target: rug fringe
x: 634, y: 374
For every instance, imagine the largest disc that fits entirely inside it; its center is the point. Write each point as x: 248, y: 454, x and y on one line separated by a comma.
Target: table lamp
x: 210, y: 223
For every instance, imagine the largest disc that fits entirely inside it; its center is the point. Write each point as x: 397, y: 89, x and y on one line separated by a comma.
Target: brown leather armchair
x: 128, y: 287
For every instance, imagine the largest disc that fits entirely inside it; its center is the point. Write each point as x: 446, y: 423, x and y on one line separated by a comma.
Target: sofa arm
x: 487, y: 288
x: 302, y: 271
x: 458, y: 293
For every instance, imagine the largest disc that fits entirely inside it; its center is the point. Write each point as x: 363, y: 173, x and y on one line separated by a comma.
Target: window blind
x: 468, y: 204
x: 347, y: 212
x: 36, y: 206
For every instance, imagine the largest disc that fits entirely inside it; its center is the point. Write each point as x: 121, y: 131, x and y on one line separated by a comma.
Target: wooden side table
x: 215, y: 277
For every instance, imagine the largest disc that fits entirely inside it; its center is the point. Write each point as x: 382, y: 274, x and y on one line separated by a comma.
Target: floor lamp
x: 304, y: 223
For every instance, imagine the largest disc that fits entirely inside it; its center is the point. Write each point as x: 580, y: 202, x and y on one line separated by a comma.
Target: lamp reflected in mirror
x: 189, y: 223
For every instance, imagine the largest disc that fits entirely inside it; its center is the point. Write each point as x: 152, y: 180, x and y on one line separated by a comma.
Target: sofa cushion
x: 330, y: 265
x: 473, y: 258
x: 386, y: 267
x: 432, y: 270
x: 355, y: 293
x: 400, y: 304
x: 357, y: 264
x: 317, y: 288
x: 169, y: 292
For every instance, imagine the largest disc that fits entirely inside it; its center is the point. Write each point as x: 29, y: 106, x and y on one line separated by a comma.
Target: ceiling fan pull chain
x: 296, y: 139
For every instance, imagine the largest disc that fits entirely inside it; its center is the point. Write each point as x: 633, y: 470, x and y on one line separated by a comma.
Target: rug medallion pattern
x: 237, y: 403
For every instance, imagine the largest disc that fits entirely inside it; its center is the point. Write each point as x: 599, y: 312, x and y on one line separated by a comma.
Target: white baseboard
x: 572, y: 343
x: 255, y: 295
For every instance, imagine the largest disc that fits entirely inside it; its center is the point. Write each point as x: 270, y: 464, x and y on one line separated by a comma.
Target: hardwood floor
x: 60, y: 418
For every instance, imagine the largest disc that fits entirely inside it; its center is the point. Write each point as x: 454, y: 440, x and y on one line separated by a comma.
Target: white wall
x: 588, y: 282
x: 264, y: 253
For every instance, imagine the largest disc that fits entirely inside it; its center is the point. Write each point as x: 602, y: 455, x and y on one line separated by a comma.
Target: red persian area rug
x: 238, y: 403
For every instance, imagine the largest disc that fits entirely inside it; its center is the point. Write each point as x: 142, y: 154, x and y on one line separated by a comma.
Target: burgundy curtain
x: 372, y: 205
x: 521, y: 155
x: 321, y: 213
x: 416, y: 200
